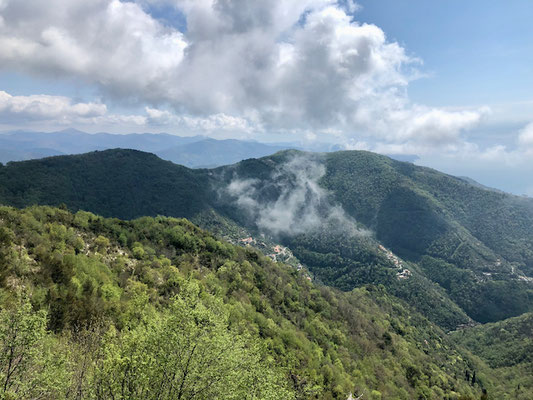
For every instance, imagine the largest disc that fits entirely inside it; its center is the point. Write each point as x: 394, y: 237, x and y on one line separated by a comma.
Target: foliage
x: 507, y: 346
x: 32, y: 361
x: 114, y: 183
x: 127, y: 321
x: 415, y: 212
x: 502, y: 344
x: 184, y: 352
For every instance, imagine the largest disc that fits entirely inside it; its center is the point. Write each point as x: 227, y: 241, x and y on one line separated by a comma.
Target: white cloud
x: 525, y: 137
x: 293, y: 66
x: 43, y: 107
x: 292, y: 201
x: 61, y: 111
x: 112, y: 44
x: 211, y: 124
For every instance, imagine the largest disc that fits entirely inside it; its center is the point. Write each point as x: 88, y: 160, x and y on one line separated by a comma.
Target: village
x: 276, y: 253
x: 279, y: 253
x: 403, y: 273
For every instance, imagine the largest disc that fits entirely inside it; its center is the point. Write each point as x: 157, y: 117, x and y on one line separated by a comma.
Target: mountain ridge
x: 192, y: 151
x: 447, y: 233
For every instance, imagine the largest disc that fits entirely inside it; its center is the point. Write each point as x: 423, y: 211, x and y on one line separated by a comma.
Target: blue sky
x: 476, y: 52
x: 449, y: 81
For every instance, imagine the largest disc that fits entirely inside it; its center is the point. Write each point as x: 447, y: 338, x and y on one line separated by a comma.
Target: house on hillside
x: 247, y: 241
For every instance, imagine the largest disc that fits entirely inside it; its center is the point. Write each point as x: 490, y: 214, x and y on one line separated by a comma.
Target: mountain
x: 8, y: 153
x: 72, y: 141
x: 212, y: 153
x: 456, y: 252
x: 194, y: 152
x: 474, y: 243
x: 119, y: 183
x: 507, y: 346
x: 95, y: 308
x: 502, y: 344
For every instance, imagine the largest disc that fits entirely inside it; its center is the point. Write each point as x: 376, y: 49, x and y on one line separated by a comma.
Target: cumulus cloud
x: 63, y: 111
x: 39, y: 107
x: 210, y: 124
x: 283, y: 66
x: 59, y: 109
x: 113, y: 44
x: 291, y: 201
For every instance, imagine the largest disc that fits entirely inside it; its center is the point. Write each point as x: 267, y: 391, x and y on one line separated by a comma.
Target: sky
x: 446, y: 80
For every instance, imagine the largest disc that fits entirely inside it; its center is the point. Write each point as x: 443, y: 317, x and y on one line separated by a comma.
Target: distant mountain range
x: 193, y: 151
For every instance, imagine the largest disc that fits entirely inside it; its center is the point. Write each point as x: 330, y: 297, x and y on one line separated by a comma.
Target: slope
x: 475, y: 243
x: 118, y: 183
x: 352, y: 217
x: 507, y: 346
x: 112, y: 288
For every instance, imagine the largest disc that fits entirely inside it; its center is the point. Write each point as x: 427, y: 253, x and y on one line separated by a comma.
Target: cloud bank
x: 304, y: 66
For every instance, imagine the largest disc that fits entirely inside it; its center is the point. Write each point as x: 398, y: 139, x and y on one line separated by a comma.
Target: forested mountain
x: 507, y: 346
x: 94, y: 308
x: 502, y: 344
x: 454, y: 250
x: 119, y: 183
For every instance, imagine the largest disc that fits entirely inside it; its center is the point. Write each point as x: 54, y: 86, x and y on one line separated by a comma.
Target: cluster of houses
x: 276, y: 253
x: 247, y: 241
x: 403, y: 273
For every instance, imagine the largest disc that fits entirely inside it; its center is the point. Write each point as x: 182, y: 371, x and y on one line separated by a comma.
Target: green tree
x: 187, y: 352
x: 31, y: 363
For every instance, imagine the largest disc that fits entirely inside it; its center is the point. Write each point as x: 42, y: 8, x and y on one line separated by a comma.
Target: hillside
x: 502, y: 344
x: 507, y: 346
x: 104, y: 308
x: 475, y: 243
x: 118, y: 183
x: 452, y: 249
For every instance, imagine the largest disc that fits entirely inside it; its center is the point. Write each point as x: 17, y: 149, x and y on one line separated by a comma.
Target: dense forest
x: 475, y: 244
x: 157, y: 308
x: 507, y: 346
x: 468, y: 249
x: 385, y: 258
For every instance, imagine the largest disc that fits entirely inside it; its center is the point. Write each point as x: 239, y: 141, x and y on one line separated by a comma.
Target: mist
x: 291, y: 201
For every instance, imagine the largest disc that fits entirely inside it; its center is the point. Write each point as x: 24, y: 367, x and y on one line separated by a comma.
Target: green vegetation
x: 157, y: 308
x: 352, y: 261
x: 469, y: 250
x: 502, y: 344
x: 117, y: 183
x: 479, y: 241
x: 507, y: 346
